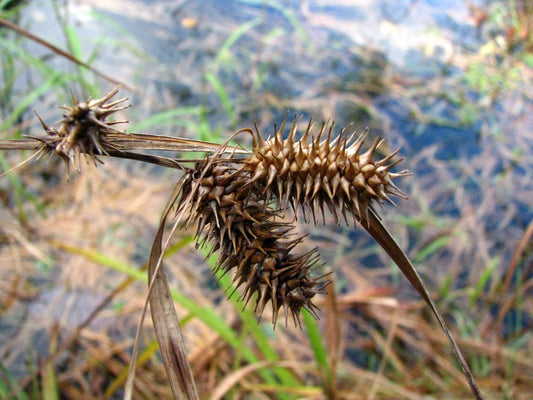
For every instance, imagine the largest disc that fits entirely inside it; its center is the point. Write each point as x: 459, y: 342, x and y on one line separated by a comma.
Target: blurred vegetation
x: 72, y: 250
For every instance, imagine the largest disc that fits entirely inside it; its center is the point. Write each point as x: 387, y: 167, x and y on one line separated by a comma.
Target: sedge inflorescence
x: 83, y: 129
x: 249, y: 236
x: 239, y: 204
x: 323, y: 171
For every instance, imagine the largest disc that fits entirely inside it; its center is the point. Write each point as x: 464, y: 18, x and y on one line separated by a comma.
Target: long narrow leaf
x: 166, y: 323
x: 376, y: 229
x: 223, y: 95
x: 320, y: 352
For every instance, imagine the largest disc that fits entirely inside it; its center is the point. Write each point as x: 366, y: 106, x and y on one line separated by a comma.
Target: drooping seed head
x: 250, y: 238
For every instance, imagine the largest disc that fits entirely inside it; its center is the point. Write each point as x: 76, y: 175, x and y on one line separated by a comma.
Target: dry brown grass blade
x: 33, y: 144
x: 21, y: 144
x: 386, y: 354
x: 166, y: 323
x: 380, y: 234
x: 63, y: 53
x: 138, y: 141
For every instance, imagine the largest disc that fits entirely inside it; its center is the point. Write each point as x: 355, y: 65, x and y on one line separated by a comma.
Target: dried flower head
x: 318, y: 171
x: 83, y: 129
x: 249, y: 237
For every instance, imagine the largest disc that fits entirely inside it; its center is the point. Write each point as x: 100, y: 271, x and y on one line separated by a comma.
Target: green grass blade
x: 144, y: 357
x: 232, y: 39
x: 288, y: 15
x: 204, y: 131
x: 60, y: 78
x: 249, y: 319
x: 318, y: 347
x: 223, y: 96
x: 8, y: 385
x: 76, y: 49
x: 168, y: 118
x: 19, y: 191
x: 49, y: 383
x: 431, y: 248
x: 23, y: 104
x: 125, y: 39
x: 74, y: 42
x: 4, y: 4
x: 259, y: 335
x: 482, y: 281
x: 9, y: 79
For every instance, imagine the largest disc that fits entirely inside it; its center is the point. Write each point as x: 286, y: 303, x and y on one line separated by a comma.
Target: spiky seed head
x: 250, y: 238
x: 84, y: 127
x: 317, y: 171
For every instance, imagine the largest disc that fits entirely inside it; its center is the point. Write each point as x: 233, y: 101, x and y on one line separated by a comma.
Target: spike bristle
x: 323, y: 172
